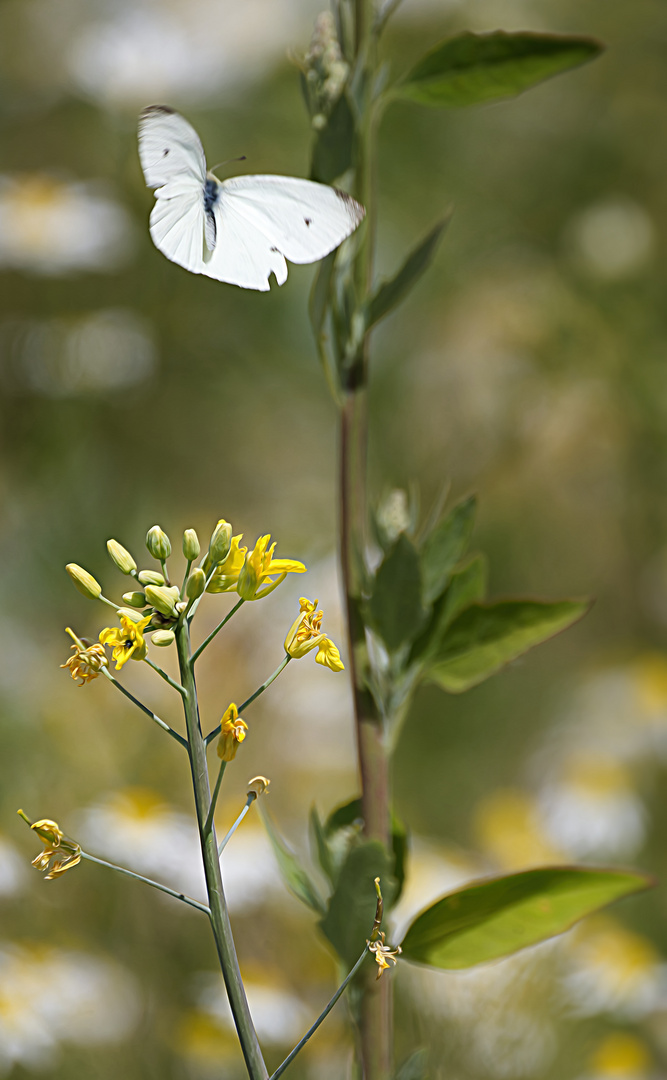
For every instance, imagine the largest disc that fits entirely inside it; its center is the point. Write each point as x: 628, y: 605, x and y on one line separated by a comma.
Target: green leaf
x: 472, y: 68
x: 324, y: 853
x: 295, y: 877
x: 466, y: 586
x: 349, y: 814
x: 445, y: 545
x: 415, y: 1067
x: 396, y: 605
x: 333, y: 150
x: 485, y: 637
x: 501, y: 915
x: 349, y: 917
x: 390, y: 293
x: 319, y: 294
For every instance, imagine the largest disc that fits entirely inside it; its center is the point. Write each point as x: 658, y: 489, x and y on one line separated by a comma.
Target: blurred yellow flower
x: 306, y: 634
x: 232, y: 732
x: 621, y: 1055
x: 258, y: 565
x: 127, y: 640
x: 87, y: 661
x: 60, y: 853
x: 384, y: 954
x: 507, y: 827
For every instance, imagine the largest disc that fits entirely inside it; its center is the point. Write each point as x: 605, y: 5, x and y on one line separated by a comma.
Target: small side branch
x: 148, y: 881
x: 145, y: 709
x: 167, y: 678
x: 265, y: 685
x: 207, y: 641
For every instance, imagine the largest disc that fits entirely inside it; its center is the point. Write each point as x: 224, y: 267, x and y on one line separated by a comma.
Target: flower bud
x: 191, y: 545
x: 163, y: 598
x: 221, y: 542
x: 150, y: 577
x: 84, y: 581
x: 195, y: 585
x: 135, y: 616
x: 248, y: 582
x: 158, y: 543
x: 134, y: 599
x: 162, y: 638
x: 121, y: 557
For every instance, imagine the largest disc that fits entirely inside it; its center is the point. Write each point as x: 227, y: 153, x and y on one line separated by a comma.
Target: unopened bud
x: 121, y: 557
x: 248, y: 582
x: 135, y: 616
x: 162, y: 638
x: 221, y: 542
x: 150, y: 577
x: 134, y: 599
x: 158, y: 543
x: 84, y: 581
x: 162, y: 598
x: 196, y: 584
x: 191, y: 547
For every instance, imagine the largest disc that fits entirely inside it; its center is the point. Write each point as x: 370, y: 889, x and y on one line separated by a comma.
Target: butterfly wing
x: 242, y: 255
x: 169, y: 147
x: 304, y: 220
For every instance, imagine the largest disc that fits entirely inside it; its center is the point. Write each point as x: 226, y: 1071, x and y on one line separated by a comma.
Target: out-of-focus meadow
x: 529, y: 366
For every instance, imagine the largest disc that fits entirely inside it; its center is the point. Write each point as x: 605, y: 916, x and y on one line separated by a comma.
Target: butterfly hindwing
x: 169, y: 147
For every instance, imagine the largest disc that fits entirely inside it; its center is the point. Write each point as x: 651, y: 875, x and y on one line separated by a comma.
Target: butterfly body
x: 238, y: 230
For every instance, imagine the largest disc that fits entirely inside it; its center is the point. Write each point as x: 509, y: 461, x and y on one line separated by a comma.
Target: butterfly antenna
x: 229, y: 161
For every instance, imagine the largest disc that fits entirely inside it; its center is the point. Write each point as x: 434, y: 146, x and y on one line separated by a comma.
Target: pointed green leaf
x: 390, y: 293
x: 467, y: 585
x: 396, y: 605
x: 446, y: 545
x: 497, y: 917
x: 485, y: 637
x: 333, y: 151
x: 349, y: 917
x: 349, y: 814
x: 297, y: 879
x: 473, y: 68
x: 324, y: 854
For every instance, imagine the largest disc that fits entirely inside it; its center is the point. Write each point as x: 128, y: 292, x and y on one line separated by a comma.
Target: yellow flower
x: 227, y: 572
x: 87, y: 661
x: 232, y: 732
x: 60, y: 853
x: 305, y: 634
x: 127, y: 641
x: 259, y: 564
x: 383, y: 953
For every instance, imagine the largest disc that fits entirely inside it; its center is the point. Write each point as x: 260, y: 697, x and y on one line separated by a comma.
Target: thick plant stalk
x: 220, y: 923
x: 376, y: 1028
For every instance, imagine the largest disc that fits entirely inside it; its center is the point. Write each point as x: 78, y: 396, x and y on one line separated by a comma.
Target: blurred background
x: 530, y: 366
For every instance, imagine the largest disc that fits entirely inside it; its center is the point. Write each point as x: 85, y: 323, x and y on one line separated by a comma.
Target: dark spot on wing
x: 150, y: 110
x: 276, y: 250
x: 308, y: 221
x: 164, y: 153
x: 354, y: 209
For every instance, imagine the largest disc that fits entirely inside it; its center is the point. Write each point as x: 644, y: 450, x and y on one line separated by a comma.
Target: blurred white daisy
x: 589, y: 808
x: 508, y: 829
x: 49, y: 996
x: 280, y: 1017
x: 612, y: 239
x: 12, y: 869
x: 95, y: 353
x: 50, y: 226
x: 621, y: 1056
x: 136, y: 829
x: 612, y: 969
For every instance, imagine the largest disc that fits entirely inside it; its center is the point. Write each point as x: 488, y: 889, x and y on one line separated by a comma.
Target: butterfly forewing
x: 169, y: 147
x: 304, y: 220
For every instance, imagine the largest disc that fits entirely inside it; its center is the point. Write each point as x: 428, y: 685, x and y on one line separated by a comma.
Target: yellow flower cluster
x: 127, y: 640
x: 87, y: 661
x: 251, y: 574
x: 232, y: 733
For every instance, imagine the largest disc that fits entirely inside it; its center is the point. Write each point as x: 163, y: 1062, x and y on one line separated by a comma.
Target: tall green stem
x: 376, y: 1028
x: 220, y: 923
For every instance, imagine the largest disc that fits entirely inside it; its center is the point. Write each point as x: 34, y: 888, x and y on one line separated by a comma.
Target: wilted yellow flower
x: 306, y: 634
x: 384, y: 954
x: 127, y: 641
x: 232, y: 732
x: 87, y: 661
x: 60, y: 853
x: 227, y: 572
x: 258, y: 567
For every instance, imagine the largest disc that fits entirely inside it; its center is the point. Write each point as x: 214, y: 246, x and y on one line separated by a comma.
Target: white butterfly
x: 238, y: 230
